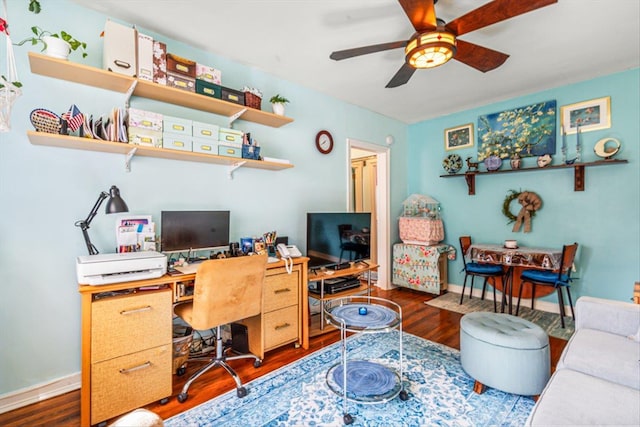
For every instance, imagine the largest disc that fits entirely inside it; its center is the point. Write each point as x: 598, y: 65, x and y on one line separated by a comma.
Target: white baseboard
x: 39, y: 392
x: 550, y: 307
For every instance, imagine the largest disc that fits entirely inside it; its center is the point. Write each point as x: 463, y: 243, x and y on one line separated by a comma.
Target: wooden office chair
x: 225, y: 291
x: 558, y: 279
x: 474, y: 269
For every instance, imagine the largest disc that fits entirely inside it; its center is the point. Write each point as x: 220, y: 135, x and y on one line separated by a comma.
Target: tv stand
x: 341, y: 266
x: 320, y: 276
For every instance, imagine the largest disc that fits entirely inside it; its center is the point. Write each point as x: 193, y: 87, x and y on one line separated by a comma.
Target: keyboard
x: 188, y: 269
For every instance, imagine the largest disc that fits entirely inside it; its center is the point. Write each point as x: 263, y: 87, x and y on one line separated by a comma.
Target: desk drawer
x: 280, y: 290
x: 280, y: 327
x: 128, y: 382
x: 127, y: 324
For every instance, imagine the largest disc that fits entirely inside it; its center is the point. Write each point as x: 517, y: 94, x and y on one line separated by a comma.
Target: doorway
x: 368, y: 191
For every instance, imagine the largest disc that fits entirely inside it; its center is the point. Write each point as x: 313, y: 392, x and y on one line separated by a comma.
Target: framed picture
x: 458, y: 137
x: 589, y: 115
x: 527, y: 131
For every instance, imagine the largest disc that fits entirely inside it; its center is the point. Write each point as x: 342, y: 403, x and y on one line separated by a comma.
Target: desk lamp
x: 115, y: 204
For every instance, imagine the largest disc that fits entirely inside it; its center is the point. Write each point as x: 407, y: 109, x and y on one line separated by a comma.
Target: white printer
x: 102, y: 269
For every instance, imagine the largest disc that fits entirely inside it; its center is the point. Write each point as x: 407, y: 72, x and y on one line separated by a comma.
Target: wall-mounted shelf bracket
x: 128, y: 157
x: 129, y: 93
x: 236, y: 116
x: 235, y: 166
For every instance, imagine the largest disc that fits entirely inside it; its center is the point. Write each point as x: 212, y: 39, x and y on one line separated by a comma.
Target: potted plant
x: 54, y: 44
x: 277, y: 104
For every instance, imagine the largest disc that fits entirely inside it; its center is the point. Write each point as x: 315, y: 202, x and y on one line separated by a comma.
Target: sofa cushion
x: 572, y: 398
x: 608, y: 356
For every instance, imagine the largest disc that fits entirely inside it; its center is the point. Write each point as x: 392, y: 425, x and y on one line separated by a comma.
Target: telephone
x: 289, y: 251
x: 286, y: 253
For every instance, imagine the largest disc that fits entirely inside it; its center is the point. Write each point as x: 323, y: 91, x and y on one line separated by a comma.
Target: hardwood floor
x: 419, y: 319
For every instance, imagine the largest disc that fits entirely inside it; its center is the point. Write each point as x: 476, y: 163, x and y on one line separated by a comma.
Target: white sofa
x: 597, y: 379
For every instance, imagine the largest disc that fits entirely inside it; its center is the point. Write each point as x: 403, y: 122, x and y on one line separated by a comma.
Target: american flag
x: 74, y: 118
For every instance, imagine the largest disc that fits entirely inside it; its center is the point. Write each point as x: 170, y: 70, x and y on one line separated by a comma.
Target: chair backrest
x: 465, y: 242
x: 568, y: 256
x: 227, y: 290
x: 342, y: 228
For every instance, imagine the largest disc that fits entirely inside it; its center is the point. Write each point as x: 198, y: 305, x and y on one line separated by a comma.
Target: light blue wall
x: 44, y: 190
x: 604, y: 219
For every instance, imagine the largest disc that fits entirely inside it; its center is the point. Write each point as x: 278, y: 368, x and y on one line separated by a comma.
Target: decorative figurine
x: 471, y: 166
x: 544, y: 160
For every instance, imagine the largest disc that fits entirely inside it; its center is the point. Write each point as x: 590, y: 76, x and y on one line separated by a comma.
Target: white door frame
x: 383, y: 212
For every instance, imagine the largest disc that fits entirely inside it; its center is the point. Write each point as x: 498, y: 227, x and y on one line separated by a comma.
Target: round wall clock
x: 324, y: 142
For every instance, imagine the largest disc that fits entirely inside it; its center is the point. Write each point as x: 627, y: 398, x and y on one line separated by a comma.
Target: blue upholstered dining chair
x: 474, y: 269
x: 559, y: 279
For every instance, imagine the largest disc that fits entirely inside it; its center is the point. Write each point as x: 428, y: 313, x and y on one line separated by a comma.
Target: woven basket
x: 251, y: 100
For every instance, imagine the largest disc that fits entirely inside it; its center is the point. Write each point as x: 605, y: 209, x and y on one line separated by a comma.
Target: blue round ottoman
x: 504, y: 352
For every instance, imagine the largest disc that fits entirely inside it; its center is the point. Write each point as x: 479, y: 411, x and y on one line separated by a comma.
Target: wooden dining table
x: 515, y: 260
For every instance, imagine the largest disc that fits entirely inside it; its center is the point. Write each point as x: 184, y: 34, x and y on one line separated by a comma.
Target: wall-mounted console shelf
x: 578, y: 173
x: 64, y: 141
x: 96, y: 77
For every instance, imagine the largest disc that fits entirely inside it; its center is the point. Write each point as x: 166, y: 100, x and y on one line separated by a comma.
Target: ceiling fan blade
x: 493, y: 12
x: 421, y: 13
x: 402, y: 76
x: 479, y: 57
x: 364, y: 50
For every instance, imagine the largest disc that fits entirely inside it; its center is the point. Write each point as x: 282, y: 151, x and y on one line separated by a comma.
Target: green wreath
x: 506, y: 206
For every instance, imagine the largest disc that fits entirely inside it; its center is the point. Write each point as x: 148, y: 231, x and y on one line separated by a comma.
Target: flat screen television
x: 337, y: 238
x: 189, y: 231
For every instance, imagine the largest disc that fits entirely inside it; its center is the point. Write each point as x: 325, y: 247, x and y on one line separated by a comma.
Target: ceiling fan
x: 436, y: 42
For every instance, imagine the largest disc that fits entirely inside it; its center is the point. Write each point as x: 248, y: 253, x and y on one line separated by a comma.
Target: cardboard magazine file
x: 119, y: 53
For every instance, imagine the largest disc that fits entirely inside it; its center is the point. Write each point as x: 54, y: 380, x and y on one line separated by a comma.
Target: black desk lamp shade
x: 115, y: 204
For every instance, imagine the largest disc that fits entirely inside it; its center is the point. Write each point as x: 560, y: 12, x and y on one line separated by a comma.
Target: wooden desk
x: 127, y: 340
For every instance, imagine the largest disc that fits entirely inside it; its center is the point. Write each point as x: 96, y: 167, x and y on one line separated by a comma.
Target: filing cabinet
x: 131, y: 352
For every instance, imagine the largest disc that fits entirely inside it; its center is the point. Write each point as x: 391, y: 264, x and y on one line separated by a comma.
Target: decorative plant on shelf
x: 277, y: 104
x: 40, y: 36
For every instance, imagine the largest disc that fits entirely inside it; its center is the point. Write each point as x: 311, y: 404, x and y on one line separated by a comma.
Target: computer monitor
x: 189, y: 231
x: 336, y: 238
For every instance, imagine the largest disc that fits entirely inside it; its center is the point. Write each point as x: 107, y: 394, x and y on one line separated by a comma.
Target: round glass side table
x: 364, y: 381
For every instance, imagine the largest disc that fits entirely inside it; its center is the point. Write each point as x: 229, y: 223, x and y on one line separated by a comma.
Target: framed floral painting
x: 528, y: 131
x: 458, y: 137
x: 589, y: 115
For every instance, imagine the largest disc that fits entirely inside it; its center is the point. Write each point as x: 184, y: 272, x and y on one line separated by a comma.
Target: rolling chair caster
x: 182, y: 397
x: 347, y: 419
x: 257, y: 363
x: 404, y: 395
x: 164, y: 400
x: 242, y: 392
x: 181, y: 371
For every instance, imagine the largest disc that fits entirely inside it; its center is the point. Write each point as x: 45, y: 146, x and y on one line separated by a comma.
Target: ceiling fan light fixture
x: 430, y: 49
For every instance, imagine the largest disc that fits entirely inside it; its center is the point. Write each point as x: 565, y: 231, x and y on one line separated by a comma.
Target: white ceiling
x: 567, y: 42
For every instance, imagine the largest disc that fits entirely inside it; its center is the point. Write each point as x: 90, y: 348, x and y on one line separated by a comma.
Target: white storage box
x: 175, y: 141
x: 205, y: 145
x: 177, y: 125
x: 205, y: 130
x: 145, y: 57
x: 119, y: 49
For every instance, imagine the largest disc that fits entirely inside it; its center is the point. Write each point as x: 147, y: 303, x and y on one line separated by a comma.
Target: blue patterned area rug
x: 440, y: 392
